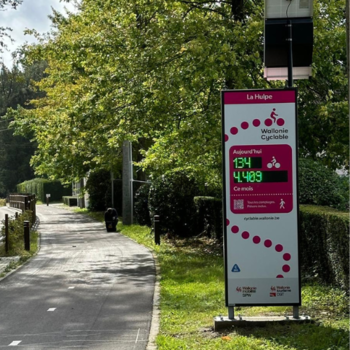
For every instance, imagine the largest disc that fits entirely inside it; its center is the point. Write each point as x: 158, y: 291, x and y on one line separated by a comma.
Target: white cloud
x: 32, y: 14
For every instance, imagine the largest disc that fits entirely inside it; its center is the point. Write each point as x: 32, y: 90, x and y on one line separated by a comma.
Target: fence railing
x: 24, y: 202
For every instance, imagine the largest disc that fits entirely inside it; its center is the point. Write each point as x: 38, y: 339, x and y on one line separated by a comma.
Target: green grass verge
x: 17, y: 249
x: 192, y: 293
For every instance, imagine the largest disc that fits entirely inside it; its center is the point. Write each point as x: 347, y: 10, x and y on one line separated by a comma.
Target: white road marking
x: 52, y: 309
x: 137, y: 337
x: 71, y: 287
x: 15, y: 343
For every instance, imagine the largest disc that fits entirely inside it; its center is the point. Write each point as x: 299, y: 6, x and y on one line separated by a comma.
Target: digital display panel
x: 260, y: 176
x: 247, y: 163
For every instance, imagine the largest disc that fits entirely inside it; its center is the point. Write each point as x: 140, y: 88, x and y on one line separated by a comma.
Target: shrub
x: 98, y: 186
x: 16, y: 241
x: 319, y: 185
x: 141, y: 205
x: 324, y: 245
x: 2, y: 202
x: 171, y: 197
x: 209, y: 216
x: 41, y: 187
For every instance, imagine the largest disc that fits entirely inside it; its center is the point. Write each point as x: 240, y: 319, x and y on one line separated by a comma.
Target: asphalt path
x: 86, y: 289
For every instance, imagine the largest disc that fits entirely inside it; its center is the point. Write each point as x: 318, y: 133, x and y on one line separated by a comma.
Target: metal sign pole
x: 290, y: 54
x: 290, y: 84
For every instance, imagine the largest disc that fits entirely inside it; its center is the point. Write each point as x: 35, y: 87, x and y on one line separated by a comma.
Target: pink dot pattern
x: 267, y: 243
x: 256, y: 122
x: 268, y: 122
x: 244, y: 125
x: 279, y: 248
x: 286, y: 256
x: 286, y: 268
x: 256, y: 239
x: 234, y: 131
x: 235, y: 229
x: 245, y: 235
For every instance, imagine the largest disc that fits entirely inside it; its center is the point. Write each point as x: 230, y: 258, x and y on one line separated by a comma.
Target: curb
x: 154, y: 330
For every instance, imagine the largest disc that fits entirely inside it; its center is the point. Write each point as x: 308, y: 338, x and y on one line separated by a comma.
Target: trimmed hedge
x: 324, y: 239
x: 41, y: 187
x: 324, y: 245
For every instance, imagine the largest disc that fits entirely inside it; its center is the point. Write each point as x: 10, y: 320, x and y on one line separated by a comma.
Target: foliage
x: 171, y: 197
x: 152, y: 72
x: 41, y: 187
x: 16, y: 88
x: 319, y: 185
x: 320, y: 298
x: 98, y: 186
x: 323, y: 110
x: 209, y: 216
x: 2, y: 202
x: 141, y: 205
x: 324, y: 245
x: 16, y: 242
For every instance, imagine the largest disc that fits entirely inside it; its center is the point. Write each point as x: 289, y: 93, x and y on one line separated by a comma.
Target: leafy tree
x: 16, y: 151
x: 151, y: 72
x: 323, y: 100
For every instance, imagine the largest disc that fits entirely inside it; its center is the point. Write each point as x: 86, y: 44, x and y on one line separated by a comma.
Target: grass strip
x: 192, y: 293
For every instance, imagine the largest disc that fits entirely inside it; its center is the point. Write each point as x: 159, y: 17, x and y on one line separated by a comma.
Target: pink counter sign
x: 261, y: 179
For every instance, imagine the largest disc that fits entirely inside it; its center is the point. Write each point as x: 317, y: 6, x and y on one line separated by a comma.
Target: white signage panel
x: 261, y: 202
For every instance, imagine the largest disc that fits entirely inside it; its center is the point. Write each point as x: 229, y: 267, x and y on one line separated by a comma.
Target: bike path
x: 86, y: 289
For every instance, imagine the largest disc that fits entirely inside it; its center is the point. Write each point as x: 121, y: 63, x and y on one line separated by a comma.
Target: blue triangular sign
x: 235, y: 268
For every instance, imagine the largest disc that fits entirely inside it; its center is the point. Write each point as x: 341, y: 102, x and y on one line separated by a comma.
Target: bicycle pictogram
x: 273, y: 164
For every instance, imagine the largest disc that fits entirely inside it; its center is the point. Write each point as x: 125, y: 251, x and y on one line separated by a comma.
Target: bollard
x: 26, y: 235
x: 156, y: 221
x: 6, y: 233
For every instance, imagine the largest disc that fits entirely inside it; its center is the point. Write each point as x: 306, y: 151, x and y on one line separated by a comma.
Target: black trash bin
x: 111, y: 220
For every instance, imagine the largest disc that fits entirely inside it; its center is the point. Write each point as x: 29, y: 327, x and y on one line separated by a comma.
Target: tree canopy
x: 16, y: 151
x: 151, y: 72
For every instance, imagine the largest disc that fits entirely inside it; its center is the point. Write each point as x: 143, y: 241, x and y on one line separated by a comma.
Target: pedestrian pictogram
x: 235, y: 268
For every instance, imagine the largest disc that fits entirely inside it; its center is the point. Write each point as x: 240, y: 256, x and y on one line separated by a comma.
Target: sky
x: 32, y: 14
